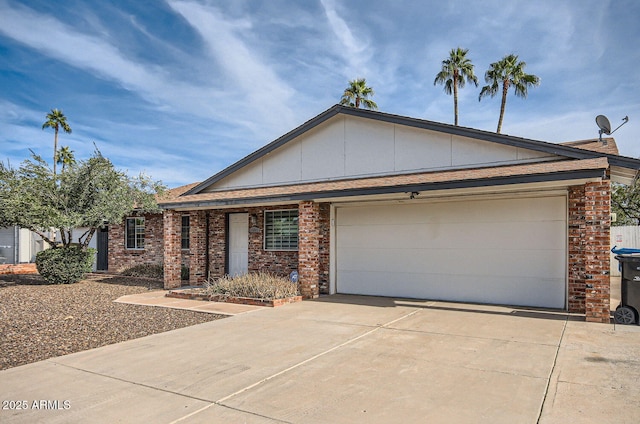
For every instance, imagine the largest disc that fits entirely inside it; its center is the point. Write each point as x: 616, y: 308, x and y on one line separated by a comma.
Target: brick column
x: 197, y: 247
x: 597, y: 208
x: 172, y: 253
x: 576, y: 249
x: 308, y: 249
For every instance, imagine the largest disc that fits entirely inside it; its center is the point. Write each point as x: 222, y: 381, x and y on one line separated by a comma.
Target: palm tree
x: 357, y: 93
x: 507, y: 72
x: 454, y: 71
x: 65, y: 157
x: 56, y: 120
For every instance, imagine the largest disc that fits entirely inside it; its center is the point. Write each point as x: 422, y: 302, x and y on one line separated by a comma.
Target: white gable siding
x: 413, y: 151
x: 283, y: 165
x: 323, y: 151
x: 369, y: 147
x: 347, y: 146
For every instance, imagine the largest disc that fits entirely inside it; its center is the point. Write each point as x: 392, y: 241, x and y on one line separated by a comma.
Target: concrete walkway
x: 158, y: 298
x: 347, y: 359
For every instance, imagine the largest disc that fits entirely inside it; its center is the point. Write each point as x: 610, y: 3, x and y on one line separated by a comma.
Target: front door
x: 102, y: 244
x: 238, y: 243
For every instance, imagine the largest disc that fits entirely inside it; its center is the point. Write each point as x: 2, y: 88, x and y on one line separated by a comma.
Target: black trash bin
x: 627, y: 311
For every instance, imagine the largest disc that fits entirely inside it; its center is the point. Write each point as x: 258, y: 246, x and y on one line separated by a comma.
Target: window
x: 281, y: 230
x: 134, y: 233
x: 185, y: 232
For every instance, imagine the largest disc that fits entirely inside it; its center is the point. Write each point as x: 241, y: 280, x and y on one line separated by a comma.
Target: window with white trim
x: 281, y: 230
x: 134, y: 233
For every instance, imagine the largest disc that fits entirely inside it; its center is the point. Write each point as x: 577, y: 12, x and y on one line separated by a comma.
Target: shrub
x: 64, y: 265
x: 145, y: 270
x: 259, y: 285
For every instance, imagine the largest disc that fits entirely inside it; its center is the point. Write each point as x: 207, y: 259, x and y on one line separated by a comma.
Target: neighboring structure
x: 20, y: 246
x: 371, y: 203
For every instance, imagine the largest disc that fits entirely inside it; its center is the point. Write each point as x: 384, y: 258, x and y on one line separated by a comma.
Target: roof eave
x: 582, y: 174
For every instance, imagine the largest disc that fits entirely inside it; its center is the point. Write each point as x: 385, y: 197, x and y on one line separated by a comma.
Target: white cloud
x: 355, y: 51
x: 263, y: 92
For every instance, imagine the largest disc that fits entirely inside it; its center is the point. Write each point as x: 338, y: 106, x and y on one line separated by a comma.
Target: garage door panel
x: 511, y: 263
x: 508, y: 251
x: 462, y: 288
x: 458, y: 212
x: 488, y: 235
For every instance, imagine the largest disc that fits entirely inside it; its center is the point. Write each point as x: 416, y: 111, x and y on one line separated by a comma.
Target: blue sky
x: 180, y: 89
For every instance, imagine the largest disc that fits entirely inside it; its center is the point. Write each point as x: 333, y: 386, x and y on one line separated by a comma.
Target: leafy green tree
x: 89, y: 194
x: 357, y: 94
x: 504, y: 74
x: 65, y: 157
x: 625, y: 203
x: 455, y: 70
x: 56, y: 120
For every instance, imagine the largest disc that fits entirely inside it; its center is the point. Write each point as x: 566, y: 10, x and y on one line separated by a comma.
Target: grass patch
x: 259, y: 285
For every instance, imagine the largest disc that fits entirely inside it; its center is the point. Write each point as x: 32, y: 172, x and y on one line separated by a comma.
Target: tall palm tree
x: 65, y: 157
x: 56, y: 120
x: 455, y: 70
x: 357, y: 93
x: 507, y: 72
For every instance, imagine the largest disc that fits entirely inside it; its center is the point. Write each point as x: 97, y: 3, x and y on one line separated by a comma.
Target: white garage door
x: 501, y: 251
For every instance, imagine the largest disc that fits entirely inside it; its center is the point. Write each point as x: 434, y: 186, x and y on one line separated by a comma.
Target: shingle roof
x: 394, y: 183
x: 595, y: 145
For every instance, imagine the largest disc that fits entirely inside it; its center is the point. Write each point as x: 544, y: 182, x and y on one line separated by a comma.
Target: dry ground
x: 40, y: 321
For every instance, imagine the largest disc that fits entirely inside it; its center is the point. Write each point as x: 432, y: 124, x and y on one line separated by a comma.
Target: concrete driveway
x: 346, y: 359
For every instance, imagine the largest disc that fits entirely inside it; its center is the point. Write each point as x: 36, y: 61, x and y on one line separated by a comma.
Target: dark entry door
x: 102, y: 243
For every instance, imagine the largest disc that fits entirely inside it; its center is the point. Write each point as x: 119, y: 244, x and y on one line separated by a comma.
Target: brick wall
x: 577, y: 228
x: 197, y: 247
x: 277, y: 262
x: 6, y: 269
x: 120, y: 257
x: 324, y: 246
x: 172, y: 248
x: 597, y: 209
x: 308, y: 248
x: 589, y: 244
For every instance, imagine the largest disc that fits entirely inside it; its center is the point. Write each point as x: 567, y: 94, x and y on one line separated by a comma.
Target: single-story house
x: 370, y: 203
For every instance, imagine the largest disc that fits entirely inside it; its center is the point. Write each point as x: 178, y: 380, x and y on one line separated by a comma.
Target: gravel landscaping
x: 40, y: 321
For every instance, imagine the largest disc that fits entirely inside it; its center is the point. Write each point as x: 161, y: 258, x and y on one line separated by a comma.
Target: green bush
x: 64, y: 265
x: 145, y: 270
x: 260, y: 285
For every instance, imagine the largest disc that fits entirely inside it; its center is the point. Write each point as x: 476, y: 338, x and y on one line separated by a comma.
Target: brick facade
x: 589, y: 208
x: 197, y: 247
x: 324, y: 246
x: 577, y: 227
x: 589, y: 245
x: 597, y: 246
x: 172, y: 248
x: 308, y: 249
x: 121, y: 258
x: 277, y: 262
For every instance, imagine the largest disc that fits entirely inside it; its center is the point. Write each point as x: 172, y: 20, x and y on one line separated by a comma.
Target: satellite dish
x: 604, y: 124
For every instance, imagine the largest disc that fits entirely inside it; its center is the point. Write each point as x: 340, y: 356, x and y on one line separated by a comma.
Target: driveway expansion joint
x: 221, y: 401
x: 130, y: 382
x: 551, y: 372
